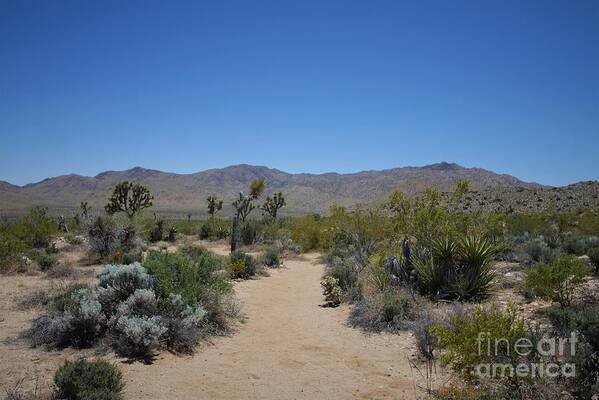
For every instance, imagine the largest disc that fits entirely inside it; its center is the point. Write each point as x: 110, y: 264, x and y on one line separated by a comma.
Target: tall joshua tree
x: 129, y: 198
x: 244, y: 206
x: 272, y: 204
x: 84, y: 209
x: 214, y: 205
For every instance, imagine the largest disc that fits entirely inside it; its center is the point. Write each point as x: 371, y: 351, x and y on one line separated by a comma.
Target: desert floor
x: 287, y: 347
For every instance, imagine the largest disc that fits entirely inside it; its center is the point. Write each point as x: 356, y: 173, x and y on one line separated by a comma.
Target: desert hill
x: 304, y: 192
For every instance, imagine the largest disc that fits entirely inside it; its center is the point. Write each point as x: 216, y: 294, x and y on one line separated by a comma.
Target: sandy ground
x: 288, y: 347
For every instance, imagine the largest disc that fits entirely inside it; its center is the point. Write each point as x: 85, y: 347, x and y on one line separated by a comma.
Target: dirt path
x: 288, y: 348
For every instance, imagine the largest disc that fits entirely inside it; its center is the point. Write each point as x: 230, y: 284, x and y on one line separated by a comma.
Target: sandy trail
x: 288, y: 348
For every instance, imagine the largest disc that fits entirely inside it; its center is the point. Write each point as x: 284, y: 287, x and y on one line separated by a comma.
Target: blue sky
x: 303, y: 86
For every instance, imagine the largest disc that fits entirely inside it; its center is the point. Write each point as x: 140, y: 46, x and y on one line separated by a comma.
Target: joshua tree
x: 62, y: 224
x: 84, y: 209
x: 461, y: 189
x: 272, y: 204
x: 129, y: 198
x: 243, y: 206
x: 214, y: 205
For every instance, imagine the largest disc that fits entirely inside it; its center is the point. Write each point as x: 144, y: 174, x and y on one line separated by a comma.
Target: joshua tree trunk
x: 234, y: 232
x: 62, y: 224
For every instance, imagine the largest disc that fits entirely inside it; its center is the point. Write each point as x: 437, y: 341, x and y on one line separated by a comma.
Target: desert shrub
x: 34, y: 299
x: 35, y: 229
x: 535, y: 248
x: 250, y: 232
x: 426, y: 343
x: 331, y: 291
x: 61, y: 271
x: 578, y: 245
x: 47, y: 261
x: 583, y: 319
x: 285, y: 244
x: 205, y: 231
x: 187, y: 227
x: 196, y: 279
x: 130, y: 257
x: 557, y: 281
x: 184, y: 324
x: 136, y: 329
x: 241, y: 265
x: 88, y: 380
x: 347, y: 277
x: 307, y: 232
x: 459, y: 270
x: 194, y: 252
x: 74, y: 240
x: 172, y: 234
x: 391, y: 310
x: 215, y: 229
x: 271, y: 257
x: 156, y: 234
x: 142, y: 303
x: 593, y: 254
x: 11, y: 251
x: 79, y: 324
x: 49, y: 330
x: 86, y: 318
x: 118, y: 282
x: 112, y: 241
x: 461, y: 336
x: 103, y: 236
x: 137, y: 337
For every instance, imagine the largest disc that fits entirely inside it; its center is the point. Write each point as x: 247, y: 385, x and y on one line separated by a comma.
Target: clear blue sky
x: 303, y: 86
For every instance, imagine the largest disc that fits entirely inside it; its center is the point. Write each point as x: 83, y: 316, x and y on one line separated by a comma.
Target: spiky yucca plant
x: 457, y: 270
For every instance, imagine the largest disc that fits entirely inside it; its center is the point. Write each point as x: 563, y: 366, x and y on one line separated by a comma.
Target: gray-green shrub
x: 271, y: 257
x: 391, y: 310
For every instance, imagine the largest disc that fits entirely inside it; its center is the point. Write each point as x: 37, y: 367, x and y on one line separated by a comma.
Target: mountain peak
x: 444, y: 166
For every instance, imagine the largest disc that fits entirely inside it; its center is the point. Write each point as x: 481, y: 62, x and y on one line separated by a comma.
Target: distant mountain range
x: 305, y: 193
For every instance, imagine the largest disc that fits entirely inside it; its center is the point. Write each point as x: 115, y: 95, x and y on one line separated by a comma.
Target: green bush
x: 347, y: 276
x: 250, y: 232
x: 11, y: 251
x: 88, y: 380
x: 60, y: 300
x: 584, y: 319
x: 215, y: 229
x: 557, y: 281
x: 195, y: 279
x: 307, y: 232
x: 461, y: 338
x: 47, y: 261
x: 241, y: 265
x: 36, y: 229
